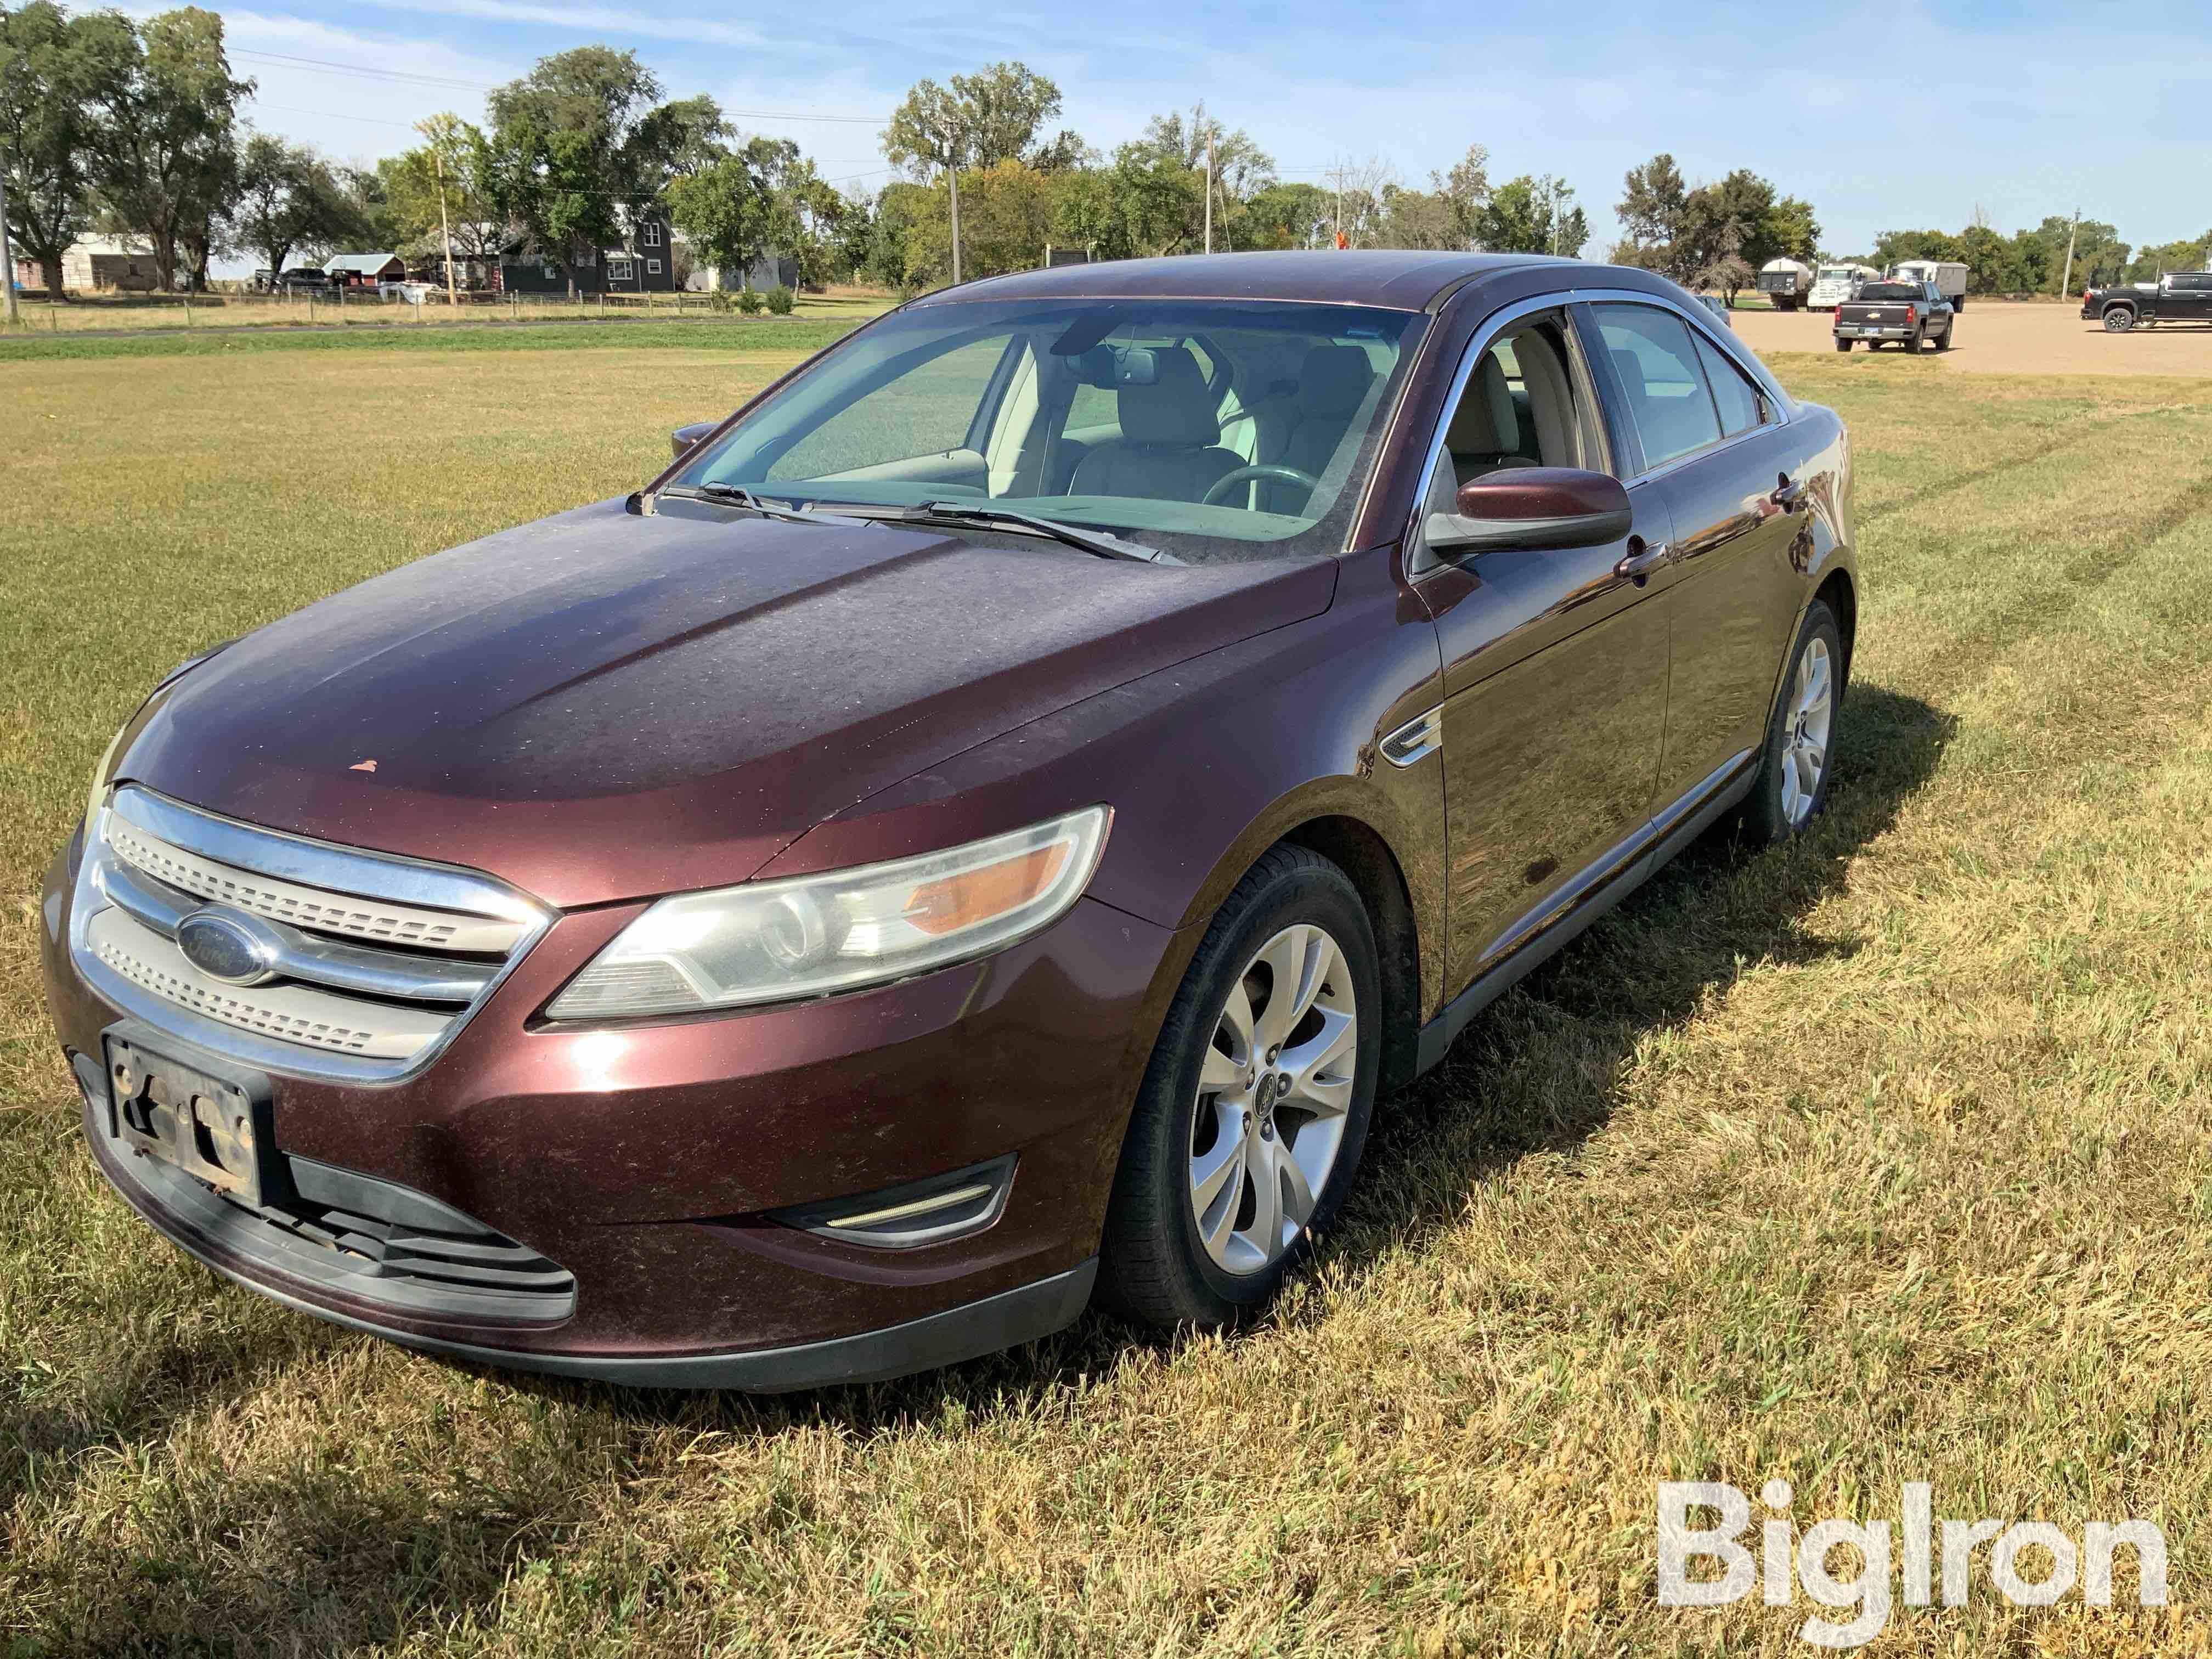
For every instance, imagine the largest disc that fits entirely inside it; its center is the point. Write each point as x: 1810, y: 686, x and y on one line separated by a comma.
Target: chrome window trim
x: 1420, y: 560
x: 1784, y: 411
x: 312, y: 863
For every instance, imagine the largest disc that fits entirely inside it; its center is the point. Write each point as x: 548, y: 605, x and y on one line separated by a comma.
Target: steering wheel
x: 1279, y: 474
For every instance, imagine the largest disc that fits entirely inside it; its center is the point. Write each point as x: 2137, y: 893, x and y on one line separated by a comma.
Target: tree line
x: 132, y: 126
x: 2035, y: 261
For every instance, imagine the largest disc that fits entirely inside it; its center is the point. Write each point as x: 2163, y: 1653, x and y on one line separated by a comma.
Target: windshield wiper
x: 737, y: 496
x: 1105, y: 545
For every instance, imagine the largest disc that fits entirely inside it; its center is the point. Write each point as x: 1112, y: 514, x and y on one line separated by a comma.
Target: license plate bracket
x: 211, y: 1122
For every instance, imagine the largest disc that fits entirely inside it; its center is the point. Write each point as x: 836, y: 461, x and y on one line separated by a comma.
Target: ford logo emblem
x: 228, y: 945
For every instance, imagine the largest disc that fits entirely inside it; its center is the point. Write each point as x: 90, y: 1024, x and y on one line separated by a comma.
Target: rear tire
x: 2119, y: 319
x: 1799, y: 759
x: 1843, y: 345
x: 1193, y: 1235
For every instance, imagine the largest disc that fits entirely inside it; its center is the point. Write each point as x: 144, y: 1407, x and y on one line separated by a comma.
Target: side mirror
x: 684, y: 437
x: 1533, y: 507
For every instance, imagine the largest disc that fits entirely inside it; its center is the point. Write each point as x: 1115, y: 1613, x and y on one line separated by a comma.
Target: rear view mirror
x: 1532, y: 508
x: 684, y: 437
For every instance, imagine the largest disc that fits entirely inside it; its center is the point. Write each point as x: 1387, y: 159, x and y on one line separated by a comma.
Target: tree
x: 1465, y: 191
x: 289, y: 198
x: 581, y: 147
x: 1533, y: 216
x: 161, y: 151
x: 981, y: 119
x: 1286, y: 215
x: 51, y: 69
x: 2150, y: 263
x: 727, y: 210
x: 437, y: 189
x: 1653, y: 210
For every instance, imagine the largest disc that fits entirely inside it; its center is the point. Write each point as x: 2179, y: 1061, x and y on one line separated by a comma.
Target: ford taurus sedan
x: 985, y: 827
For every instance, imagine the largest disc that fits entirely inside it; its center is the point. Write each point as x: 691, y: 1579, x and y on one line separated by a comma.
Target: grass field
x: 133, y: 312
x: 1880, y: 1157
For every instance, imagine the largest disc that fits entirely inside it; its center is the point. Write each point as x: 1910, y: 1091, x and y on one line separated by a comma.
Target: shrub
x: 749, y: 301
x: 780, y: 299
x: 720, y: 300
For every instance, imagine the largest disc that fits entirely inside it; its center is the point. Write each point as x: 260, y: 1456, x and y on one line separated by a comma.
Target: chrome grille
x: 325, y: 1001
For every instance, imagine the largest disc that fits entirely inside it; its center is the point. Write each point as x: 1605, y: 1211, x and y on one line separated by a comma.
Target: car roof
x: 1402, y: 279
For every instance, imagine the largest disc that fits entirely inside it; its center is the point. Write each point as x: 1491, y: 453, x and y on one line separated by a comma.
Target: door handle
x: 1789, y: 496
x: 1642, y: 558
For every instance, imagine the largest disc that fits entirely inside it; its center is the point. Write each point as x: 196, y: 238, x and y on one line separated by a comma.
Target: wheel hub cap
x: 1267, y: 1120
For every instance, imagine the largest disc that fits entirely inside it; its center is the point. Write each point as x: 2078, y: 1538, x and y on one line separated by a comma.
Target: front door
x: 1554, y: 664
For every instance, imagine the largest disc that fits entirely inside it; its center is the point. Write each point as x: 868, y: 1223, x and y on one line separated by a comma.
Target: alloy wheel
x: 1805, y: 738
x: 1268, y: 1118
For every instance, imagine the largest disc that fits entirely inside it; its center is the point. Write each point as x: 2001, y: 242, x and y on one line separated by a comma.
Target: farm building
x: 770, y: 270
x: 365, y: 269
x: 646, y: 265
x: 97, y: 264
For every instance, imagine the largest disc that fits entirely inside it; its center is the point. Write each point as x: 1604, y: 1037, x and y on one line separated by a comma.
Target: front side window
x: 1519, y: 408
x: 1209, y: 428
x: 1664, y: 389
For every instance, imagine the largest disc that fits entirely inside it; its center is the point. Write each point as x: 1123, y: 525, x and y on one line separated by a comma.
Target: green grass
x: 1877, y: 1157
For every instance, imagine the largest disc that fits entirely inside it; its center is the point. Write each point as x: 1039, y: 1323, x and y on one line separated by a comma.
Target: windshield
x: 1206, y: 428
x: 1837, y: 274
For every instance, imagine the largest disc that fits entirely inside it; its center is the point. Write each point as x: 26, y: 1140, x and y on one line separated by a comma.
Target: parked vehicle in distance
x: 304, y: 279
x: 406, y: 291
x: 1717, y: 306
x: 1787, y: 283
x: 992, y: 818
x: 1836, y: 283
x: 1910, y: 314
x: 1948, y: 275
x: 2183, y: 296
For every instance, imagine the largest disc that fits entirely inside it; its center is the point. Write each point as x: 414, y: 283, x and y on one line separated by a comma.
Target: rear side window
x: 1737, y: 399
x: 1665, y: 390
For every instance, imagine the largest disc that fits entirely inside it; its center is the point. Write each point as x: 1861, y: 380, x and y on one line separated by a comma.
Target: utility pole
x: 1209, y: 180
x: 7, y: 253
x: 2066, y: 282
x: 445, y: 229
x: 952, y: 173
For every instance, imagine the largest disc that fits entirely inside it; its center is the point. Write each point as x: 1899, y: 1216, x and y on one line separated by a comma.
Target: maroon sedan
x: 985, y: 825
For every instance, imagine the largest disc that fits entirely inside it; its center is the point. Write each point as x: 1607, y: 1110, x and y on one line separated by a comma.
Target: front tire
x: 1250, y: 1121
x: 1943, y: 343
x: 1798, y: 760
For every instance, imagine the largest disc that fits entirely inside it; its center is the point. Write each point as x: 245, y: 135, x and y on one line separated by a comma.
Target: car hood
x: 604, y: 705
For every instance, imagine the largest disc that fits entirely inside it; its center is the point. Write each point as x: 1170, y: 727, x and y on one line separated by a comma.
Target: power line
x: 371, y: 73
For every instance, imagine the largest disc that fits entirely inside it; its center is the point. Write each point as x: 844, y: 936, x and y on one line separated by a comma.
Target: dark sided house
x: 646, y: 265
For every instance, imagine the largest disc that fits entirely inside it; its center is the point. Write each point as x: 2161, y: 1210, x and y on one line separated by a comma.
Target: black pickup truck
x: 1910, y: 314
x: 2184, y: 296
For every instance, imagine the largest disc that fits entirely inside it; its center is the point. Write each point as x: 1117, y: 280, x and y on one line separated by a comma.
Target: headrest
x: 1629, y: 367
x: 1335, y: 380
x: 1485, y: 422
x: 1176, y: 411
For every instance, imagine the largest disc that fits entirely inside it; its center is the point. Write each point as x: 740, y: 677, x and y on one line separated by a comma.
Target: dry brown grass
x: 1879, y: 1157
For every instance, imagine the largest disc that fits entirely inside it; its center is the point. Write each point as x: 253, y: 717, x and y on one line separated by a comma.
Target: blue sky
x: 1898, y: 115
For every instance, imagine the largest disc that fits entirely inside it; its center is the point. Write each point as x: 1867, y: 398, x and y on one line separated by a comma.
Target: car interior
x: 1242, y: 430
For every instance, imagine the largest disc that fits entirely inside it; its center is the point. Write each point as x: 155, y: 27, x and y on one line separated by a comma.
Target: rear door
x: 1717, y: 445
x: 2191, y: 299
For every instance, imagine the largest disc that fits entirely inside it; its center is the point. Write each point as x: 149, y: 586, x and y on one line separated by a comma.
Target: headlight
x: 106, y: 769
x: 102, y: 773
x: 809, y: 936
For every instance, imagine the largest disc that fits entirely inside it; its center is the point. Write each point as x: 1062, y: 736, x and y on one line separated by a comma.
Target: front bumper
x: 643, y: 1159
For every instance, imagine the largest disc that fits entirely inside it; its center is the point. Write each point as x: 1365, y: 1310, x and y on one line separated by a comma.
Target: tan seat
x: 1484, y: 433
x: 1168, y: 449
